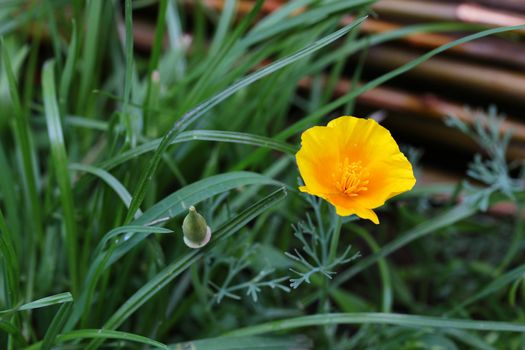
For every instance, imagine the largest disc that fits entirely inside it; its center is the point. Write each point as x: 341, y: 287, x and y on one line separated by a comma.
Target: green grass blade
x: 69, y: 69
x: 169, y: 273
x: 154, y: 62
x: 127, y: 118
x: 200, y: 110
x: 202, y: 135
x: 23, y: 139
x: 414, y: 321
x: 103, y: 334
x: 89, y: 54
x: 56, y: 326
x: 109, y: 179
x: 244, y: 343
x: 60, y: 165
x: 130, y: 229
x: 40, y: 303
x: 10, y: 263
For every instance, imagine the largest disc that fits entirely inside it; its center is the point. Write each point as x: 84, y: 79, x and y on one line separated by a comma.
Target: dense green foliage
x: 103, y: 148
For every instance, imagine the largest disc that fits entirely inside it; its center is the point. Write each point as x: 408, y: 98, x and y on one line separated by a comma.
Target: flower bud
x: 196, y: 232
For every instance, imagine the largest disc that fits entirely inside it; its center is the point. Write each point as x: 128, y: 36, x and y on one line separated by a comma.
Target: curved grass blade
x: 414, y: 321
x: 103, y: 334
x: 200, y: 110
x: 202, y: 135
x: 128, y: 230
x: 109, y: 179
x: 40, y: 303
x: 169, y: 273
x: 243, y: 343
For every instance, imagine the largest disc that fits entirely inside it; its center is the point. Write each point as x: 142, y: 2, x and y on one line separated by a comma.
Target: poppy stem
x: 335, y: 239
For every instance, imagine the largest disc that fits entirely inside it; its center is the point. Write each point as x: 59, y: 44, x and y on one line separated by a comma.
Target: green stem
x: 335, y: 239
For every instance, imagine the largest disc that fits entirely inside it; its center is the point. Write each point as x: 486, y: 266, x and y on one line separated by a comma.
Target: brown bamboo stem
x: 491, y: 81
x: 426, y: 105
x: 432, y: 10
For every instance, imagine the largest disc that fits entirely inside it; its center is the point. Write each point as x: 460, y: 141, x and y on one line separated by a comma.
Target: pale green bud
x: 196, y: 231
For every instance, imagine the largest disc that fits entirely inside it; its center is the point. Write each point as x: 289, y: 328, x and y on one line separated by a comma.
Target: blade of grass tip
x: 131, y: 138
x: 93, y: 15
x: 180, y: 265
x: 103, y: 334
x: 27, y: 153
x: 413, y: 321
x: 56, y: 326
x: 40, y: 303
x: 200, y: 110
x: 109, y: 179
x: 176, y: 37
x: 154, y: 59
x: 60, y: 165
x: 456, y: 214
x: 69, y: 69
x: 11, y: 265
x: 225, y: 20
x: 53, y: 30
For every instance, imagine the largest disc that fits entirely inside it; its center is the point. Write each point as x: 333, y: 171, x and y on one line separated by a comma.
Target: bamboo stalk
x: 426, y: 105
x: 491, y: 81
x: 494, y: 49
x: 464, y: 12
x: 516, y: 5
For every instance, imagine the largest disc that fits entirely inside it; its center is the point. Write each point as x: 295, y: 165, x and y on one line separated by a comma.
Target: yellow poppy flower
x: 355, y: 164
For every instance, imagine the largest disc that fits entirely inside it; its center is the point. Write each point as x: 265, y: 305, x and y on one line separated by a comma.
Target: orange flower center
x: 351, y: 178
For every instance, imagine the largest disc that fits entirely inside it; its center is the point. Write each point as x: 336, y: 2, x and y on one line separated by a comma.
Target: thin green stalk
x: 335, y: 239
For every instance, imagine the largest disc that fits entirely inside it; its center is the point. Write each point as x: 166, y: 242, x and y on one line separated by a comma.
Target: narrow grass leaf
x: 243, y: 343
x: 10, y: 265
x: 40, y: 303
x: 109, y: 179
x: 56, y: 326
x: 103, y: 334
x: 60, y: 165
x: 414, y: 321
x: 202, y: 135
x: 69, y: 69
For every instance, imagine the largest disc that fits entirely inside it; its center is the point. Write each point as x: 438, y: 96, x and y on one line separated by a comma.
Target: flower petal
x: 315, y: 160
x: 346, y: 206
